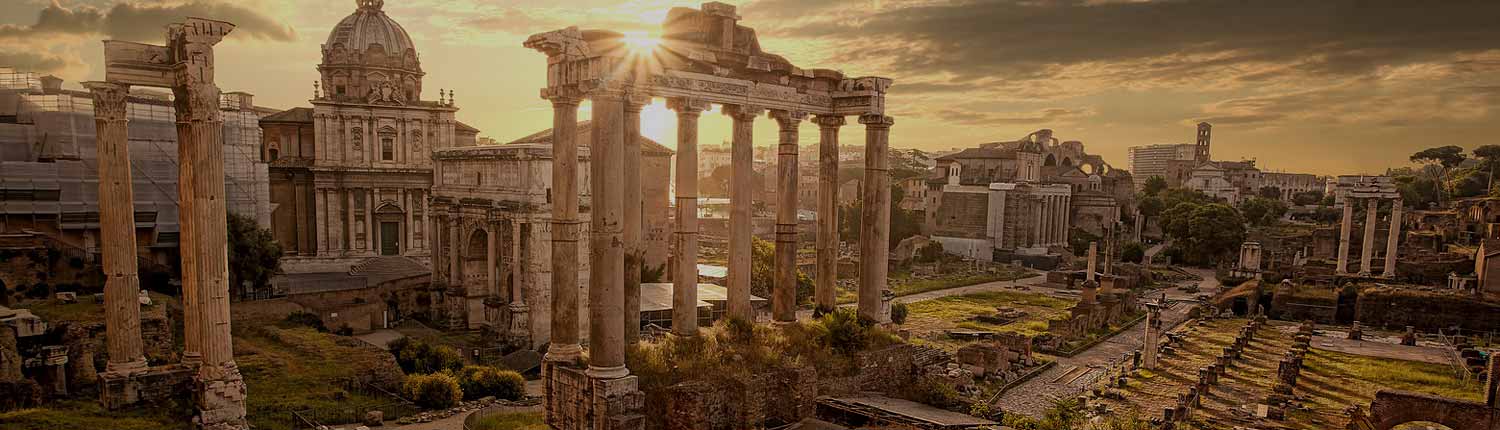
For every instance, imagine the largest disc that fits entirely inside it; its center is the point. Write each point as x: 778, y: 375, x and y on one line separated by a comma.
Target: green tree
x: 1440, y: 160
x: 1417, y: 191
x: 904, y: 223
x: 1154, y: 185
x: 254, y: 256
x: 763, y: 272
x: 1262, y: 211
x: 1204, y: 232
x: 1307, y: 198
x: 1490, y: 154
x: 1133, y: 252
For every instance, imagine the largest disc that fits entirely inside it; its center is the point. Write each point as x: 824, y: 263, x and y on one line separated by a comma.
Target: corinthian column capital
x: 789, y: 120
x: 563, y: 95
x: 878, y: 121
x: 830, y: 121
x: 109, y: 100
x: 688, y: 106
x: 743, y: 113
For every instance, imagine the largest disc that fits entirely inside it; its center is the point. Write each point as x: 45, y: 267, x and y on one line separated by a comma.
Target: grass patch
x: 88, y: 414
x: 1360, y: 377
x: 958, y: 311
x: 512, y: 421
x: 83, y: 310
x: 905, y: 284
x: 298, y: 369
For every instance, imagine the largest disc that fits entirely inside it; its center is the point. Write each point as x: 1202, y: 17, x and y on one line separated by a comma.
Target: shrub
x: 306, y: 319
x: 846, y: 332
x: 440, y: 358
x: 434, y: 391
x: 934, y: 393
x: 483, y: 381
x: 898, y: 313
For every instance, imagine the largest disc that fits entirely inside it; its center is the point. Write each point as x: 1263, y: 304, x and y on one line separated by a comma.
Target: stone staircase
x: 378, y: 270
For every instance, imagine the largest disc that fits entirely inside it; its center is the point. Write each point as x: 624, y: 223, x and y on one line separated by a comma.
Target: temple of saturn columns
x: 705, y: 58
x: 186, y: 66
x: 1370, y: 190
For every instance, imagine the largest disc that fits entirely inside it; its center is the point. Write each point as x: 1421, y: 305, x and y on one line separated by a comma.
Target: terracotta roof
x: 585, y: 131
x: 301, y: 114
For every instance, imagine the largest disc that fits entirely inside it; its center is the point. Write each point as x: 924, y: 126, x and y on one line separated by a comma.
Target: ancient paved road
x: 1035, y: 396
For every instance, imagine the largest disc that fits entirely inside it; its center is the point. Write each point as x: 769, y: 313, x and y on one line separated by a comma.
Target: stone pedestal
x: 576, y: 401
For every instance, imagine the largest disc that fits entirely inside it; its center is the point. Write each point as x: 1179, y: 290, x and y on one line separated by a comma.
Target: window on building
x: 338, y: 90
x: 387, y: 149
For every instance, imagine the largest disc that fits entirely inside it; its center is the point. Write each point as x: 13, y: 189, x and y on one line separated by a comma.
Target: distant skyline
x: 1328, y: 87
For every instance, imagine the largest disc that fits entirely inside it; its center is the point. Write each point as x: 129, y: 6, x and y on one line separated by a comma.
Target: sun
x: 639, y: 42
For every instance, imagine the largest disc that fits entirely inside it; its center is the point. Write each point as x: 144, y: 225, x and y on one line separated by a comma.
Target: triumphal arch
x: 705, y: 57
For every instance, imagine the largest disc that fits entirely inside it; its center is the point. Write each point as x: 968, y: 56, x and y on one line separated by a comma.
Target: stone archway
x: 1394, y: 409
x: 1050, y: 161
x: 1067, y: 162
x: 475, y: 258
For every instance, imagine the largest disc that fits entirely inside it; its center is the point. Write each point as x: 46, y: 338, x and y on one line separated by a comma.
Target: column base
x: 220, y: 398
x: 563, y: 353
x: 577, y: 401
x: 520, y: 323
x: 612, y: 372
x: 118, y: 390
x: 131, y: 367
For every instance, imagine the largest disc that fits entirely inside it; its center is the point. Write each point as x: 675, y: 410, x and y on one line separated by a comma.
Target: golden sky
x: 1328, y: 87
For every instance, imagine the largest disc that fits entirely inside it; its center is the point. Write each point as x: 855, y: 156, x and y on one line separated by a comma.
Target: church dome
x: 368, y: 27
x: 369, y: 58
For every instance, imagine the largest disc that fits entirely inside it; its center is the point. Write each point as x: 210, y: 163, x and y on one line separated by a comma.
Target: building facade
x: 1152, y: 160
x: 351, y: 177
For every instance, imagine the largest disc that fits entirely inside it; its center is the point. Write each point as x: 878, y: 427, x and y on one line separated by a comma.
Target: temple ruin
x: 186, y: 66
x: 705, y: 58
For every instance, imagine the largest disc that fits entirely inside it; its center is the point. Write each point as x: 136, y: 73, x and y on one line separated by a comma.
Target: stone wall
x: 1426, y: 311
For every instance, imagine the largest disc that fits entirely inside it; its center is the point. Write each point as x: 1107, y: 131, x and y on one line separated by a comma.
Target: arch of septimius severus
x: 705, y: 57
x: 186, y: 66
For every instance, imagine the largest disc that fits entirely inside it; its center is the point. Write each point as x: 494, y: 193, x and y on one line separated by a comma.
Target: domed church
x: 351, y: 176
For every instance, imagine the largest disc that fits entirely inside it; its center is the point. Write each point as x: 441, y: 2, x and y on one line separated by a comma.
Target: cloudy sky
x: 1329, y: 86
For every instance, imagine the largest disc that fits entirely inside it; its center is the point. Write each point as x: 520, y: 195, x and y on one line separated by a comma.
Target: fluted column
x: 1393, y: 239
x: 685, y: 271
x: 784, y: 294
x: 455, y: 249
x: 122, y: 311
x: 564, y: 346
x: 1367, y: 254
x: 875, y: 236
x: 634, y: 252
x: 606, y: 244
x: 200, y: 128
x: 491, y: 260
x: 826, y: 288
x: 1345, y: 225
x: 741, y: 221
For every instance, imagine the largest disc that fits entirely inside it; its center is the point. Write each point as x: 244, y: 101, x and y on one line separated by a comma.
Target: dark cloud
x: 1165, y: 39
x: 32, y: 61
x: 146, y: 21
x: 1043, y: 117
x: 517, y: 21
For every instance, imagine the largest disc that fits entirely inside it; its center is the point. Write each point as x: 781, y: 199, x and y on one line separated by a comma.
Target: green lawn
x: 84, y: 310
x: 905, y: 284
x: 88, y: 414
x: 958, y: 312
x: 297, y: 369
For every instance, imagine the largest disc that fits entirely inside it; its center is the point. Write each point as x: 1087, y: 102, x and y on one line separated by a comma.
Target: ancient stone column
x: 826, y: 287
x: 491, y: 260
x: 122, y: 310
x: 1345, y: 226
x: 564, y: 345
x: 1367, y: 254
x: 784, y: 296
x: 1393, y: 239
x: 200, y: 128
x: 606, y: 241
x: 1153, y: 335
x: 455, y: 249
x: 875, y: 235
x: 634, y: 253
x: 685, y: 273
x: 520, y: 325
x: 1093, y: 266
x: 741, y: 220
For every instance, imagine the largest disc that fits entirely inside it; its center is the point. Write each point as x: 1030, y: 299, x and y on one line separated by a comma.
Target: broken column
x: 1093, y: 264
x: 826, y: 287
x: 741, y: 220
x: 122, y: 308
x: 874, y: 240
x: 1153, y: 335
x: 1344, y: 229
x: 1393, y: 239
x: 635, y: 254
x: 606, y: 244
x: 685, y: 273
x: 566, y: 228
x: 784, y: 293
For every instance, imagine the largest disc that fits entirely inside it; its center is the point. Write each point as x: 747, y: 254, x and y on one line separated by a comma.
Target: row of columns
x: 1052, y: 220
x: 1367, y: 251
x: 616, y: 221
